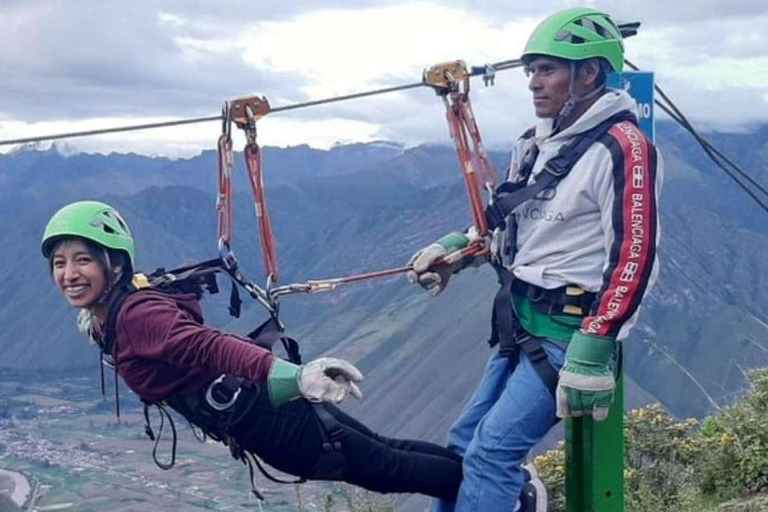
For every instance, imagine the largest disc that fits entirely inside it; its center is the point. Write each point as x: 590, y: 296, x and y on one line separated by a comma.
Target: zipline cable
x: 715, y: 154
x: 488, y: 72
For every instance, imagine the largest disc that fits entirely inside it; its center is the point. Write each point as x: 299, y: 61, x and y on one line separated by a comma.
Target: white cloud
x: 62, y: 72
x: 343, y: 51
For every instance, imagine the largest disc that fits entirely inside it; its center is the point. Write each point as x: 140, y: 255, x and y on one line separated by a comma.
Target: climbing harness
x: 507, y: 331
x: 223, y: 403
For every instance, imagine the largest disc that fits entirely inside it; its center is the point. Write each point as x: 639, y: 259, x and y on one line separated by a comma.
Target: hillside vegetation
x: 718, y: 464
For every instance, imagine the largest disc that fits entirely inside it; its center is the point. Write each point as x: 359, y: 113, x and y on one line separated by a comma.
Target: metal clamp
x: 244, y: 111
x: 447, y: 76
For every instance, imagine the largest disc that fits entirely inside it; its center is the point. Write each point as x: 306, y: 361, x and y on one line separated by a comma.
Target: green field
x: 61, y: 433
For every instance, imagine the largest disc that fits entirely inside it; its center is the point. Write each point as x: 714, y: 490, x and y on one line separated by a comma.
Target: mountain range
x: 365, y: 207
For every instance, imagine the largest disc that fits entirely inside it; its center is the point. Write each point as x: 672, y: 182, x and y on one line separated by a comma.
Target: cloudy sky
x: 79, y: 64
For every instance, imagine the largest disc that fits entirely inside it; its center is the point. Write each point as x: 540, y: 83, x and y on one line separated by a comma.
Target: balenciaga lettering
x: 637, y: 196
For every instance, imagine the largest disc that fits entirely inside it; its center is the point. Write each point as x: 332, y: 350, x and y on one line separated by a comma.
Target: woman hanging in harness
x: 279, y: 411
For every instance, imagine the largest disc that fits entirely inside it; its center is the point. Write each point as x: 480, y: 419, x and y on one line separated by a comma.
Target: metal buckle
x: 227, y: 256
x: 218, y: 405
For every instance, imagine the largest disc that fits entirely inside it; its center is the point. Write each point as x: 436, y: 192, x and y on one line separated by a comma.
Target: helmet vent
x: 567, y: 36
x: 100, y: 224
x: 602, y: 31
x: 122, y: 224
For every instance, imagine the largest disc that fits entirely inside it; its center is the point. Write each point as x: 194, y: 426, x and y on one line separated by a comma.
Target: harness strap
x: 508, y: 196
x: 508, y: 333
x: 331, y: 465
x: 150, y: 433
x: 269, y: 333
x: 568, y: 300
x: 533, y: 348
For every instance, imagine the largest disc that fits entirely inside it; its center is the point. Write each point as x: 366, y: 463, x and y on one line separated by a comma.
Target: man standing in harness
x: 575, y: 236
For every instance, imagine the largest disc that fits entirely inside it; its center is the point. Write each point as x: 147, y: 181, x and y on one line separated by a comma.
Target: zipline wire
x: 488, y: 71
x: 715, y: 154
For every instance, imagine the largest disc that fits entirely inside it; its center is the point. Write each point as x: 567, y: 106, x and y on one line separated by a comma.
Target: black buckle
x: 494, y: 215
x: 534, y: 350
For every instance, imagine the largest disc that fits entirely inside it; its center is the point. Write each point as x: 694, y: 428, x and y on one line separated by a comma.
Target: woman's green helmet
x: 577, y: 34
x: 94, y: 221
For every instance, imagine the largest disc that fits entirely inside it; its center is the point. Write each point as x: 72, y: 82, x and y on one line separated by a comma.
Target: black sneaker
x: 533, y: 498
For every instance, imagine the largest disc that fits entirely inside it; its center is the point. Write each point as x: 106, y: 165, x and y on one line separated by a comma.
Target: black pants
x: 290, y: 439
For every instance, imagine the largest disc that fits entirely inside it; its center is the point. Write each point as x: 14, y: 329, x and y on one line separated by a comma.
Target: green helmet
x: 577, y: 34
x: 94, y: 221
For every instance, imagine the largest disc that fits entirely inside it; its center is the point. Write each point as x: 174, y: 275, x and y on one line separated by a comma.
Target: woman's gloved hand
x: 323, y: 380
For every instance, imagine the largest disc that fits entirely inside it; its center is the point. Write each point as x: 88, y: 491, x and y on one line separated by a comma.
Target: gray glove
x: 323, y: 380
x: 434, y: 278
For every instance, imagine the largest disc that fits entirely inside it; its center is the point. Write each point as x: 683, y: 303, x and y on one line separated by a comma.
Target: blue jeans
x: 510, y: 412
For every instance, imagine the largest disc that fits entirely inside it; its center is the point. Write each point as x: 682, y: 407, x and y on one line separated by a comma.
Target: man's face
x: 548, y: 80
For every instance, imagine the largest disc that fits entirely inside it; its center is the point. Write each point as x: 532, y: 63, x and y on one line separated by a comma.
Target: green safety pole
x: 594, y: 451
x: 594, y: 460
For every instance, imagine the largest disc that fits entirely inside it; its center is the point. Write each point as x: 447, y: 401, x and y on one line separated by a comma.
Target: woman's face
x: 80, y: 277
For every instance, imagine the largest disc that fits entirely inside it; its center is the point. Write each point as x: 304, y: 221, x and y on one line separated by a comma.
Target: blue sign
x: 639, y: 84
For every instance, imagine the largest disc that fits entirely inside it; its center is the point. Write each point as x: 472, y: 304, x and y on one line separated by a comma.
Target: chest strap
x: 509, y: 195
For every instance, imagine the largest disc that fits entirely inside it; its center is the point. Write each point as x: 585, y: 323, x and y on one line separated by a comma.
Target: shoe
x: 533, y: 497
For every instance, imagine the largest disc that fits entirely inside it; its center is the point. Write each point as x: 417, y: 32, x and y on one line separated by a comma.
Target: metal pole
x: 594, y: 454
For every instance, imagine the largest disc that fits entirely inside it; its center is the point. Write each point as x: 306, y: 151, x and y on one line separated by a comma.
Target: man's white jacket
x: 599, y: 227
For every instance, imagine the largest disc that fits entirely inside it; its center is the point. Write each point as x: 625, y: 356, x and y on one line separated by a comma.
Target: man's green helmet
x: 577, y: 34
x: 94, y: 221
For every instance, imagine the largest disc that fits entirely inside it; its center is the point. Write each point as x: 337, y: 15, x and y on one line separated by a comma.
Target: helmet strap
x: 573, y: 99
x: 112, y: 280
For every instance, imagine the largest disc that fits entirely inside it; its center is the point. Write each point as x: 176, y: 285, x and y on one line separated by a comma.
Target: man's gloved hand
x: 434, y: 279
x: 323, y: 380
x: 586, y: 383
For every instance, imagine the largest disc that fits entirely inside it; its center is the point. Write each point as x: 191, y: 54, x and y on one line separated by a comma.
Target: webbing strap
x: 505, y: 200
x: 476, y: 167
x: 509, y: 196
x: 331, y: 465
x: 504, y: 323
x: 507, y: 332
x: 224, y: 197
x: 269, y: 333
x: 256, y: 176
x: 156, y: 438
x: 555, y: 301
x: 538, y: 356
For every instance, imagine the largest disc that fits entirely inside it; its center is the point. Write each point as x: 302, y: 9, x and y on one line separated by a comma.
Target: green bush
x: 684, y: 465
x: 660, y: 453
x: 735, y: 459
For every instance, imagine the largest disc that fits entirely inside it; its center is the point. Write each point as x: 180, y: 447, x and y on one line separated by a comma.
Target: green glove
x: 432, y: 278
x: 586, y: 384
x: 323, y: 380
